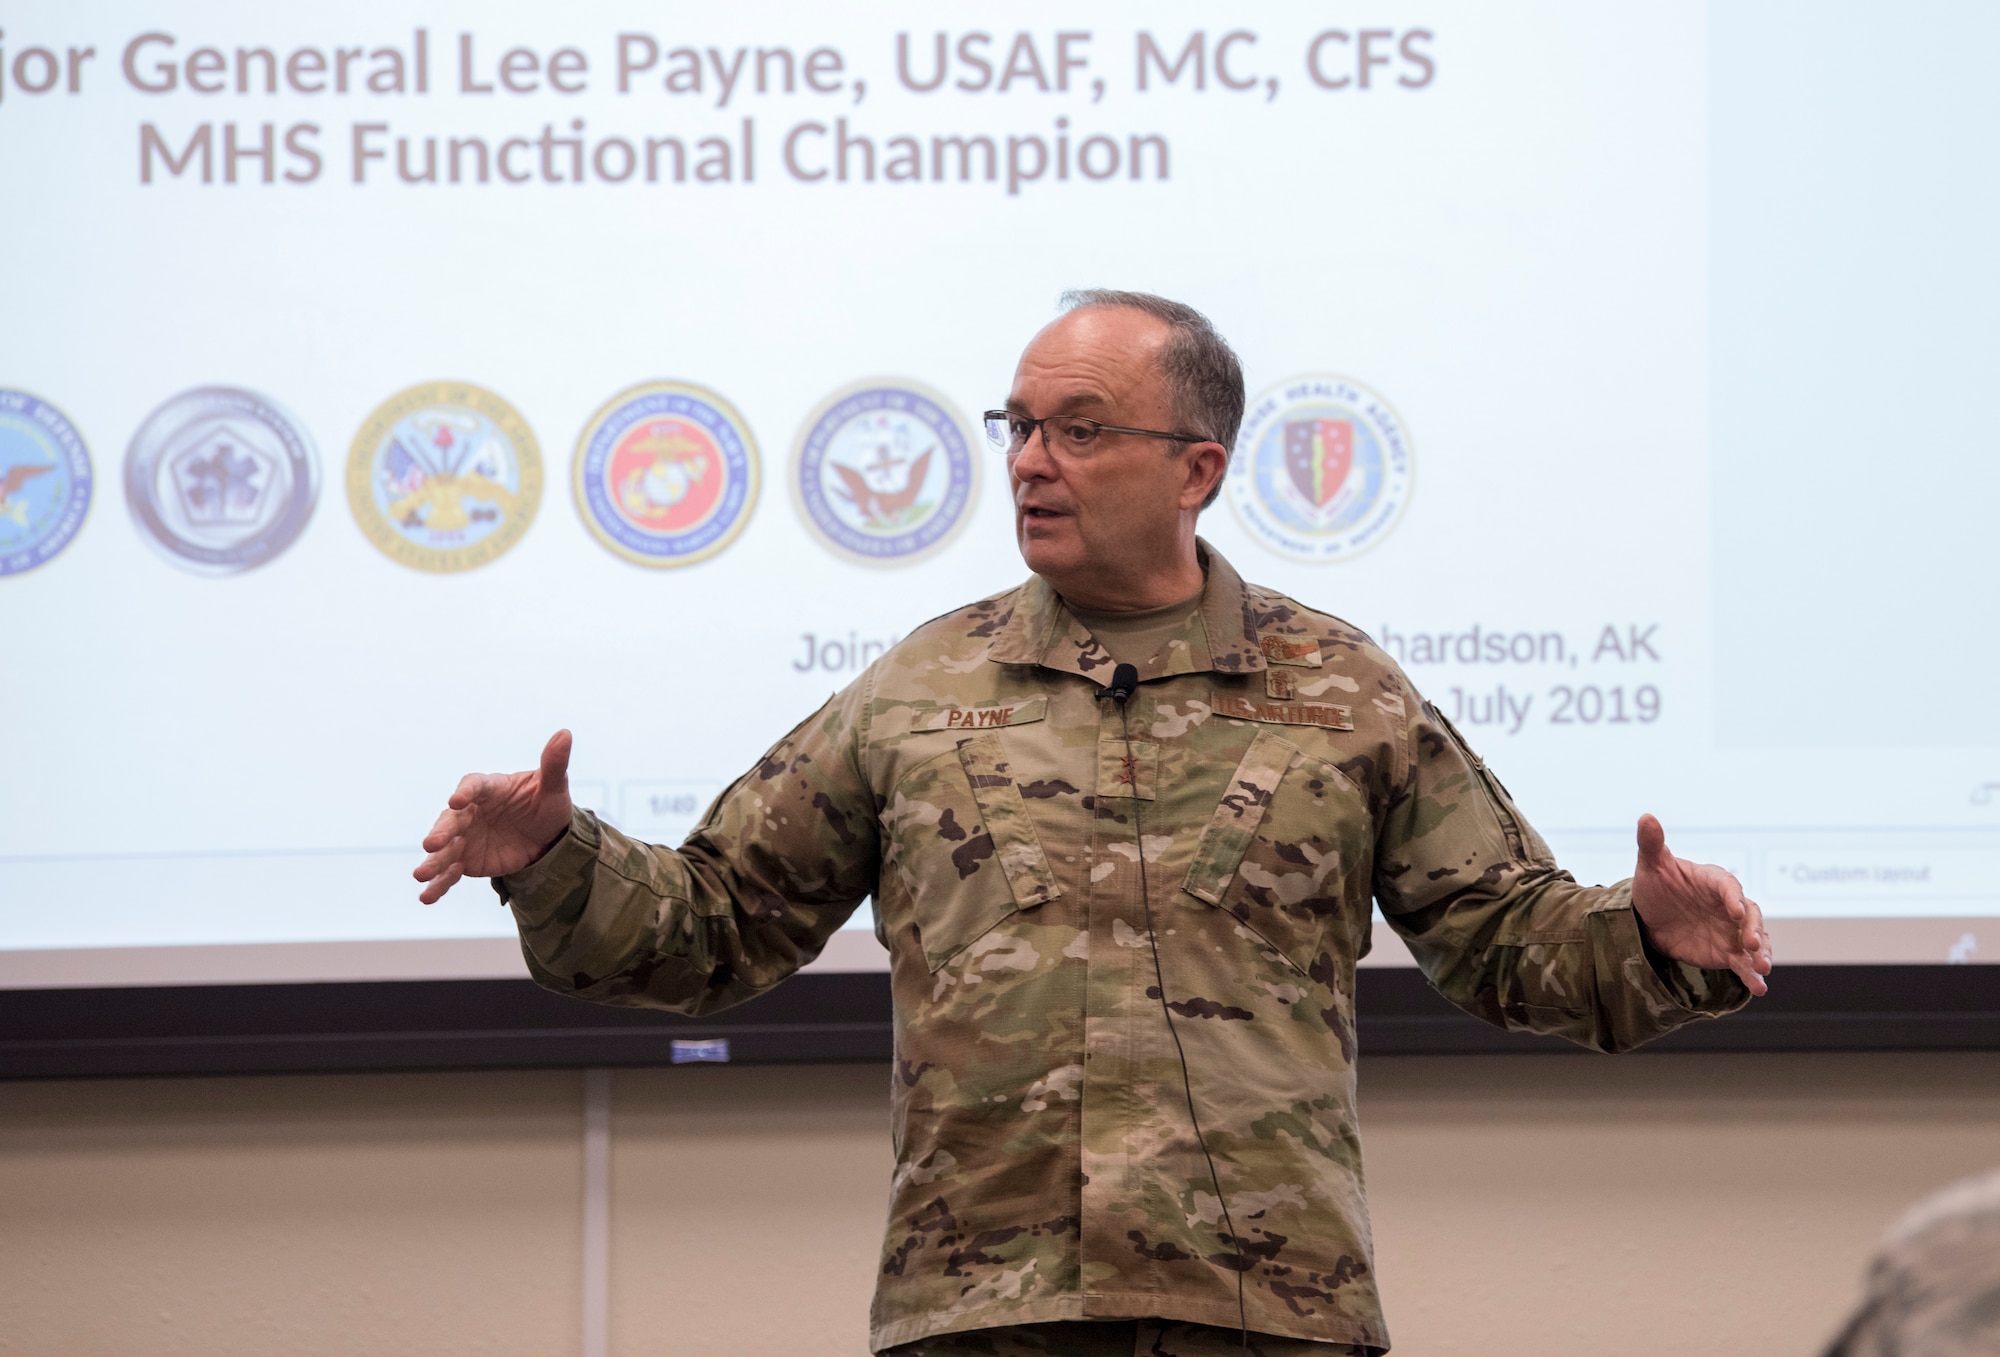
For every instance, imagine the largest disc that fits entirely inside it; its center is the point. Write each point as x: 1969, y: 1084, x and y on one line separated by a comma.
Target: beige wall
x: 1546, y: 1205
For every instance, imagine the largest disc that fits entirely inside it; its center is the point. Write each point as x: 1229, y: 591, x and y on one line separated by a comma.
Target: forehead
x: 1096, y: 355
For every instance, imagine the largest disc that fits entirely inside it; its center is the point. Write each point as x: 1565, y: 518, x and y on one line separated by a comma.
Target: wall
x: 1549, y: 1205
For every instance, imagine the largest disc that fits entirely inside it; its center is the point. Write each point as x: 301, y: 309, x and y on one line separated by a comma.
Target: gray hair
x: 1204, y: 379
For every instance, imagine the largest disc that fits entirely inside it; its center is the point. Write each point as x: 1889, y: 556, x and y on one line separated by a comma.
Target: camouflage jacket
x: 976, y: 782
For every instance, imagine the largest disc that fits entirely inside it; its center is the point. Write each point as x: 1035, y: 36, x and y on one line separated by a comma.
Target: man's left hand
x: 1698, y: 913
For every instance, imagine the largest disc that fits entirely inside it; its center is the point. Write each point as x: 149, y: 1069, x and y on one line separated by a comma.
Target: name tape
x: 985, y: 718
x: 1329, y: 715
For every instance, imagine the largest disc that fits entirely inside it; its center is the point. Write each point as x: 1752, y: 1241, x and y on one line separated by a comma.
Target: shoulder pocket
x: 1278, y: 851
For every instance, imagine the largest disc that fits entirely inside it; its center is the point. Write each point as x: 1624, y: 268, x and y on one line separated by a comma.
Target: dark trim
x: 501, y: 1024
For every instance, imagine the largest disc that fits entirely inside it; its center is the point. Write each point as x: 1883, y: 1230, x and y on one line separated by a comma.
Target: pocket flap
x: 1238, y: 814
x: 1015, y: 844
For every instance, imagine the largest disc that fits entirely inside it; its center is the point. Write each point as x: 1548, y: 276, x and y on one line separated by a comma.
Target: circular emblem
x: 44, y: 482
x: 221, y: 479
x: 884, y: 470
x: 1322, y: 470
x: 666, y: 474
x: 444, y: 476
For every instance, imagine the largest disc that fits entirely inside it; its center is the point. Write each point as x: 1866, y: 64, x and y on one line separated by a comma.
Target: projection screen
x: 385, y: 386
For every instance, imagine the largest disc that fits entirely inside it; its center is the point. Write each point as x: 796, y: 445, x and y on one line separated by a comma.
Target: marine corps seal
x: 882, y: 471
x: 1322, y: 470
x: 44, y: 482
x: 221, y: 480
x: 444, y: 476
x: 666, y: 474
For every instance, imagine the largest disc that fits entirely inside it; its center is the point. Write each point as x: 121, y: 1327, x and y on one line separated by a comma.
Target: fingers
x: 445, y: 855
x: 434, y: 892
x: 1731, y: 891
x: 449, y: 825
x: 555, y: 764
x: 1756, y: 938
x: 1746, y: 970
x: 1652, y: 842
x: 472, y: 789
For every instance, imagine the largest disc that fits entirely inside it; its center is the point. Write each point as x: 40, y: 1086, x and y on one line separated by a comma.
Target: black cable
x: 1119, y: 694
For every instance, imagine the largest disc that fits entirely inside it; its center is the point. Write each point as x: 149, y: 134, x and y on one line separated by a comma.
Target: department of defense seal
x: 44, y: 481
x: 221, y: 480
x: 1322, y: 470
x: 883, y: 471
x: 444, y: 476
x: 666, y: 474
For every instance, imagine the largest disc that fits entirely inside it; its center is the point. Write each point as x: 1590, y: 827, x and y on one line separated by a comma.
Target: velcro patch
x: 985, y: 718
x: 1280, y: 649
x: 1327, y: 714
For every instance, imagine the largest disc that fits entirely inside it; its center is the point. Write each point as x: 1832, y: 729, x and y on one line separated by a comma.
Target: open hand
x: 1697, y: 913
x: 496, y: 823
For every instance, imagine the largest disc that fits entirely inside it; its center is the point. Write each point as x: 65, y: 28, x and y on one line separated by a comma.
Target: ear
x: 1203, y: 466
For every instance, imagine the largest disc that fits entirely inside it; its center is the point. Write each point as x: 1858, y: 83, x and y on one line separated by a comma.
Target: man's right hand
x: 496, y: 823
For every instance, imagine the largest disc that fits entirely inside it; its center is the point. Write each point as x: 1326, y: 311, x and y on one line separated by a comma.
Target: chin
x: 1046, y: 557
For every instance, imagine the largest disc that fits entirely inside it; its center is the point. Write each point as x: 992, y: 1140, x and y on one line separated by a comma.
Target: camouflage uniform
x: 978, y: 786
x: 1934, y: 1289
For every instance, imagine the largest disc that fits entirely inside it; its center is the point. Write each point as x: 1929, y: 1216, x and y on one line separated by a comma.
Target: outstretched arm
x: 1508, y: 936
x: 777, y: 864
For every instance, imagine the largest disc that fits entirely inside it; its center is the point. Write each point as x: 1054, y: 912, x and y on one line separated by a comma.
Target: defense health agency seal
x: 1322, y: 469
x: 666, y: 474
x: 44, y: 481
x: 444, y: 476
x: 221, y: 480
x: 883, y: 471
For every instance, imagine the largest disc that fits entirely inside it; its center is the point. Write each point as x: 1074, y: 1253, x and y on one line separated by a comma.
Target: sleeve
x: 1505, y: 934
x: 780, y: 861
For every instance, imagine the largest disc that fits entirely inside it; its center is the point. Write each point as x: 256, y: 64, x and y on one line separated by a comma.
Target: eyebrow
x: 1087, y: 400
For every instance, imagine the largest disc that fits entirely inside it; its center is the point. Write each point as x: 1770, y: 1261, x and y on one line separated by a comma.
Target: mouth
x: 1038, y: 513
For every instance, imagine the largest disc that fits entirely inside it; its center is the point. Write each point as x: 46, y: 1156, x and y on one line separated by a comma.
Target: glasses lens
x: 998, y: 432
x: 1073, y: 435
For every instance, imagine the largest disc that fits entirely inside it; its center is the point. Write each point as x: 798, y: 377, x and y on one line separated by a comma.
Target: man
x: 1122, y: 924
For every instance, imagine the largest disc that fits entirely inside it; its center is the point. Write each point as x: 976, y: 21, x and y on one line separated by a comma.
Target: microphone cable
x: 1124, y: 682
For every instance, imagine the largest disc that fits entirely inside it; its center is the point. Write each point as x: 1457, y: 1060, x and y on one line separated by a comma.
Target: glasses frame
x: 1098, y: 427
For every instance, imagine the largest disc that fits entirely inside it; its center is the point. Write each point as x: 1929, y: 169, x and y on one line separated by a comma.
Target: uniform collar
x: 1220, y: 638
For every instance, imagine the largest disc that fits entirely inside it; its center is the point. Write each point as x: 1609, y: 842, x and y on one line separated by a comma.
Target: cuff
x: 547, y: 879
x: 1672, y: 987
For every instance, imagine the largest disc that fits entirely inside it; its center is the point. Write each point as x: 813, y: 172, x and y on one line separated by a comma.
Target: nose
x: 1034, y: 462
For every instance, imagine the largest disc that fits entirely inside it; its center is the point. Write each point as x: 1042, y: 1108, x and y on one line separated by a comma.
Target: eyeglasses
x: 1064, y: 435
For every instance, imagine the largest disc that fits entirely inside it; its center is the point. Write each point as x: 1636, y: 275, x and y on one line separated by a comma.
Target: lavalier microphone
x: 1124, y: 682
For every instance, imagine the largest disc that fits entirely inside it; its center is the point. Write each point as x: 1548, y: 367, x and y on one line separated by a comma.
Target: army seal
x: 883, y: 473
x: 666, y: 474
x: 1322, y: 469
x: 445, y: 476
x: 221, y: 480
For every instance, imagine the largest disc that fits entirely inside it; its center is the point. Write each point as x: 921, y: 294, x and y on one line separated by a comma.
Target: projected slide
x: 385, y: 386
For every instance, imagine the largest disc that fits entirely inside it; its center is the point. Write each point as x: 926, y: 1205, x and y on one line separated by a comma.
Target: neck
x: 1113, y: 591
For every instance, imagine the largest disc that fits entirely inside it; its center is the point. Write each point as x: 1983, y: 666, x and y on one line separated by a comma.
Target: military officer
x: 1123, y: 827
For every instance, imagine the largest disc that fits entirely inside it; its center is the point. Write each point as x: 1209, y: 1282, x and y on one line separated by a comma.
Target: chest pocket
x: 965, y: 847
x: 1280, y: 848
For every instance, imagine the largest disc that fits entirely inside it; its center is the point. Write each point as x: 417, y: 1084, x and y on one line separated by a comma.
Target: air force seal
x: 666, y: 474
x: 1322, y: 470
x: 221, y: 479
x: 445, y: 476
x: 44, y: 482
x: 884, y: 472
